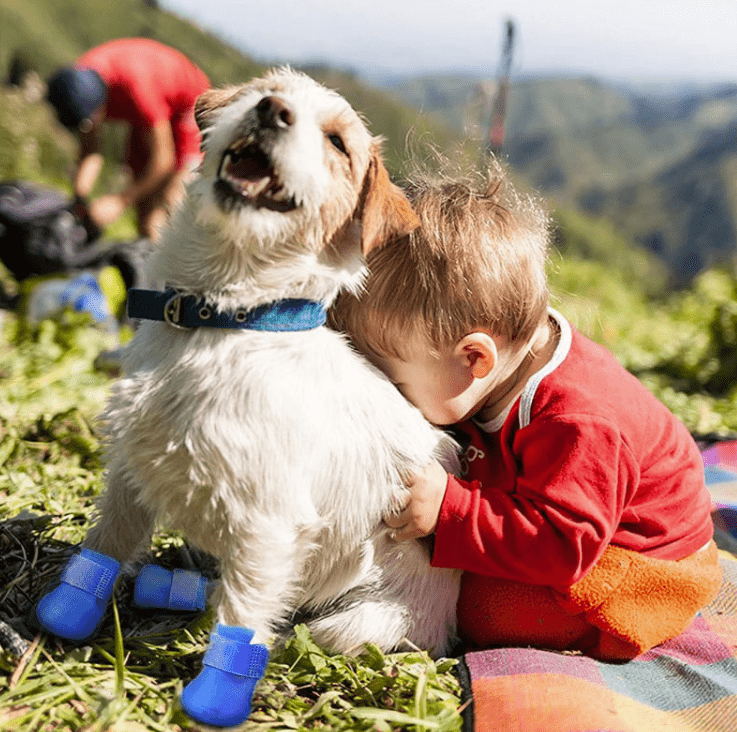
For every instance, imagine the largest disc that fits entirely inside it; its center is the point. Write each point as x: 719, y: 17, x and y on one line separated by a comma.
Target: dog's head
x: 286, y: 159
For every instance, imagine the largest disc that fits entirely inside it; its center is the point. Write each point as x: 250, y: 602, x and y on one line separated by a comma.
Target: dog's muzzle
x: 247, y: 173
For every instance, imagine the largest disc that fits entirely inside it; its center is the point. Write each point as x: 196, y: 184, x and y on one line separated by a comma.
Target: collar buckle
x: 173, y: 311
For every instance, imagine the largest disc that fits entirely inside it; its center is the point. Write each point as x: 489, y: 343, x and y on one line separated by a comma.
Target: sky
x: 648, y: 40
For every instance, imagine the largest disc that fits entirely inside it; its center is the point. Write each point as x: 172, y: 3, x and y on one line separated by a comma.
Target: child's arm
x: 420, y: 516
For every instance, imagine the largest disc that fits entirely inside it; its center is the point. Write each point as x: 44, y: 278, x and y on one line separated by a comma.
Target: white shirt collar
x: 530, y: 388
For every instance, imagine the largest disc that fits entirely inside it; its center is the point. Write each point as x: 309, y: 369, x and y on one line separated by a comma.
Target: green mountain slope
x: 657, y: 163
x: 686, y: 213
x: 53, y: 33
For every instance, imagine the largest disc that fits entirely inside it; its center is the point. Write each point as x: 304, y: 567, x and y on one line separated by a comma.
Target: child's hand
x: 420, y: 515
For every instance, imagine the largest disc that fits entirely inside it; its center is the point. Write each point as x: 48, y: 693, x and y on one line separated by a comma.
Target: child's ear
x: 477, y: 352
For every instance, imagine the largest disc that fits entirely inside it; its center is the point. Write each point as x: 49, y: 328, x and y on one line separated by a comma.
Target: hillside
x: 685, y: 213
x: 612, y: 131
x: 51, y: 33
x: 656, y: 162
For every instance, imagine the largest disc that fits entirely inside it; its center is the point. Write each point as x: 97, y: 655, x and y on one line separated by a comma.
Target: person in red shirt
x: 580, y: 515
x: 150, y: 87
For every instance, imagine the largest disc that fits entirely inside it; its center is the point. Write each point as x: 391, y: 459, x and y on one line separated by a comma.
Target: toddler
x: 580, y: 517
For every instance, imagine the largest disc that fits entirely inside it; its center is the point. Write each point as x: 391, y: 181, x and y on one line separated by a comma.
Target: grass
x: 129, y: 678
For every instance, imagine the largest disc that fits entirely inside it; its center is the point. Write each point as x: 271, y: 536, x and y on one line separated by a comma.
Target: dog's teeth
x: 251, y: 189
x: 249, y: 173
x: 260, y: 186
x: 279, y: 194
x: 237, y: 185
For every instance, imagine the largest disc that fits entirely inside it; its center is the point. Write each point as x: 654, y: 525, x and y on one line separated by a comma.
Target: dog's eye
x: 338, y: 143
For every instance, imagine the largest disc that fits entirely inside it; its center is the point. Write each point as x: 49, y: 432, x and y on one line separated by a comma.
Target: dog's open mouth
x: 247, y: 175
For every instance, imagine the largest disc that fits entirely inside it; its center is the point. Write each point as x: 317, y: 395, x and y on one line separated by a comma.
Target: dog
x: 277, y: 452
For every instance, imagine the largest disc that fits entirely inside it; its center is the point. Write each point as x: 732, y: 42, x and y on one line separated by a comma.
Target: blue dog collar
x: 190, y: 311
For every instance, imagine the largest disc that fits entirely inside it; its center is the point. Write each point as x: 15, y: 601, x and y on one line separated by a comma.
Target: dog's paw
x: 74, y: 609
x: 232, y: 666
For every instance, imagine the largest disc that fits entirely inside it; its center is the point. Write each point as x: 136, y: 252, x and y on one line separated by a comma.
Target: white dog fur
x: 278, y: 453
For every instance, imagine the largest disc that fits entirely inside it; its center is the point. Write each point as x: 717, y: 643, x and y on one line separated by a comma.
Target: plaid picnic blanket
x: 688, y: 684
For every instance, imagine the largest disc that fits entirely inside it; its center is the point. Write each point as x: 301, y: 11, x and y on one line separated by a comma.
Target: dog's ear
x: 386, y: 213
x: 209, y: 102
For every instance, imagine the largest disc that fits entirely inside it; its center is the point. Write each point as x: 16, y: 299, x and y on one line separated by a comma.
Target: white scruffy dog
x: 277, y: 452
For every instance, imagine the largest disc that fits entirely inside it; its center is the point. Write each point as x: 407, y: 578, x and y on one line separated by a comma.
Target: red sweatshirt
x: 586, y: 457
x: 149, y: 83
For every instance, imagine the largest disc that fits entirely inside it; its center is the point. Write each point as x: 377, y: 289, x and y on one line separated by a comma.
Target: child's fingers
x: 408, y: 526
x: 407, y: 533
x: 397, y: 521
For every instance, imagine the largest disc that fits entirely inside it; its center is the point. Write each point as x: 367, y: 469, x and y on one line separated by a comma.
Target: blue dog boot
x: 74, y: 608
x: 221, y: 695
x: 179, y: 589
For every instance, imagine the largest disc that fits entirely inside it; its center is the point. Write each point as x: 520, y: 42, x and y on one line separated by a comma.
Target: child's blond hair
x: 477, y: 260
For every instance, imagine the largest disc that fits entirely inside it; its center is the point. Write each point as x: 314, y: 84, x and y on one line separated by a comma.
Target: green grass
x: 681, y: 345
x: 131, y: 676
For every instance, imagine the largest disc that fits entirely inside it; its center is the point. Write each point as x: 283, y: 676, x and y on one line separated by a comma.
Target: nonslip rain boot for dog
x: 221, y: 695
x: 179, y: 590
x: 73, y: 610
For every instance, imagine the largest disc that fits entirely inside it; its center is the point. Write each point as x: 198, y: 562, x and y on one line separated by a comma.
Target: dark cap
x: 75, y: 94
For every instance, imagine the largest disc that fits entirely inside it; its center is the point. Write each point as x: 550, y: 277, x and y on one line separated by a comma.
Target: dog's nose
x: 274, y: 113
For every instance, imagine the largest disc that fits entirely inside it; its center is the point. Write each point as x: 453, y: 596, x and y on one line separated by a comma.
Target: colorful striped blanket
x: 688, y: 684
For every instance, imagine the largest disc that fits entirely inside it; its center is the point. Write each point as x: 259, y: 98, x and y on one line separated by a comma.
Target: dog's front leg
x: 75, y: 607
x: 259, y: 571
x: 256, y: 570
x: 123, y: 524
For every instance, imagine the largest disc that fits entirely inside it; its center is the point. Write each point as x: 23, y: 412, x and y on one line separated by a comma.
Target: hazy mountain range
x: 659, y: 162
